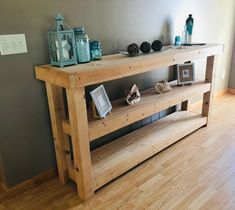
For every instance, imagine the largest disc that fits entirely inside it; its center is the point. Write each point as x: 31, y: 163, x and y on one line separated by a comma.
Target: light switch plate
x: 13, y: 44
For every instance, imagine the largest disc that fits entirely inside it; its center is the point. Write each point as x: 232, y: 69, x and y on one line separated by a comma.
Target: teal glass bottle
x: 96, y: 51
x: 82, y: 45
x: 189, y: 28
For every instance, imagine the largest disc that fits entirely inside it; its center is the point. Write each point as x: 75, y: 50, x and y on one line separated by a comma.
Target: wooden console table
x: 91, y: 170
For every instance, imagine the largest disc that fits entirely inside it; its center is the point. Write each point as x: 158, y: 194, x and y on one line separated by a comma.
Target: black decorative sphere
x: 145, y: 47
x: 156, y: 45
x: 133, y: 49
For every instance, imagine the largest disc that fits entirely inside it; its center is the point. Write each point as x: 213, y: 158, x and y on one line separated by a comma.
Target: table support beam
x: 80, y: 142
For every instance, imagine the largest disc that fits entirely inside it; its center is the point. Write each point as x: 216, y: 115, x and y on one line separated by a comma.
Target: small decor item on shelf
x: 61, y: 42
x: 101, y: 101
x: 95, y: 50
x: 189, y: 26
x: 162, y: 87
x: 133, y: 49
x: 188, y: 30
x: 145, y: 47
x: 133, y: 96
x: 177, y: 41
x: 82, y: 45
x: 156, y: 45
x: 185, y: 73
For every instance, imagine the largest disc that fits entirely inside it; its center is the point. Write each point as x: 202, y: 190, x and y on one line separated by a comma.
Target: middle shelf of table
x: 151, y: 103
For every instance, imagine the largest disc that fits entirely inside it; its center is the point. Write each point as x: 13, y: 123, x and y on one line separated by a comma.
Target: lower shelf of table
x: 119, y: 156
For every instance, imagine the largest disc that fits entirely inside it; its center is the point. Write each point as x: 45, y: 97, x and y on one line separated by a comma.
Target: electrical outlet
x: 13, y: 44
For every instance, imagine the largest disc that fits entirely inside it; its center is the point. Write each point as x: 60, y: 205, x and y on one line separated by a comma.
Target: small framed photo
x: 185, y: 73
x: 101, y: 101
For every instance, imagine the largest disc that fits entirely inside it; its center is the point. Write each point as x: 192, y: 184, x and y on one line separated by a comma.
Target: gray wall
x: 25, y: 133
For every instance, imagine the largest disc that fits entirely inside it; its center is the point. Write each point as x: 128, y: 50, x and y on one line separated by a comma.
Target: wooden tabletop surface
x: 118, y: 65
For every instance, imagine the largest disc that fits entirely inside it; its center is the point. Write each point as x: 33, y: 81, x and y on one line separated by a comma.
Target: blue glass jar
x: 96, y: 51
x: 82, y: 45
x: 177, y: 41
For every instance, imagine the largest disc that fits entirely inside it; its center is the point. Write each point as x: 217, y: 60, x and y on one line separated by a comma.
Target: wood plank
x: 118, y: 66
x: 80, y: 143
x: 53, y: 76
x: 117, y: 157
x: 185, y: 105
x: 66, y: 127
x: 151, y: 103
x: 72, y: 173
x: 209, y: 96
x: 61, y: 142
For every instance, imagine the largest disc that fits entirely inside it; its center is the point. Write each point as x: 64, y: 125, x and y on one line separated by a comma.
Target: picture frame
x: 185, y: 73
x: 101, y: 101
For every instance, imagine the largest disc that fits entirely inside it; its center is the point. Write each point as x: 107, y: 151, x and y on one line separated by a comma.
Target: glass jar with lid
x: 82, y: 45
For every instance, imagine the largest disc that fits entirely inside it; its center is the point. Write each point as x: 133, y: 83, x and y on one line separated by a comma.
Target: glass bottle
x: 189, y: 27
x: 96, y: 51
x: 82, y: 45
x: 177, y: 41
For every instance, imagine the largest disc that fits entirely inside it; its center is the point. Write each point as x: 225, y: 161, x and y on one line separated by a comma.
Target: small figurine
x: 162, y: 87
x: 133, y: 96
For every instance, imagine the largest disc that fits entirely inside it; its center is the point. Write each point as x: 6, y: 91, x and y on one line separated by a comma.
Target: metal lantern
x: 61, y: 43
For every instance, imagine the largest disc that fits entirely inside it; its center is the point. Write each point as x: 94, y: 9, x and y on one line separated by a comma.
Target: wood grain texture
x: 185, y: 105
x: 75, y: 78
x: 117, y: 157
x: 118, y: 66
x: 209, y: 96
x: 61, y: 142
x: 195, y: 173
x: 151, y: 103
x: 80, y: 142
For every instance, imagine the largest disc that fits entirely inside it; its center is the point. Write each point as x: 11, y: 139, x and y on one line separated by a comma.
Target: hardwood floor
x: 196, y: 173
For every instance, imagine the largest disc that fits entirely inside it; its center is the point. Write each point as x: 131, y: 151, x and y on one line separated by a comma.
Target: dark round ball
x: 145, y: 47
x: 133, y: 49
x: 156, y: 45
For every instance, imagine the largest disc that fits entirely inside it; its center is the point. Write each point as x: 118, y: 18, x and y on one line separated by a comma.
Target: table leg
x: 80, y: 142
x: 61, y: 141
x: 208, y: 97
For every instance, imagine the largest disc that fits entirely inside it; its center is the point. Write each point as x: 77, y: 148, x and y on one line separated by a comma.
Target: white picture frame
x: 185, y: 73
x: 101, y: 101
